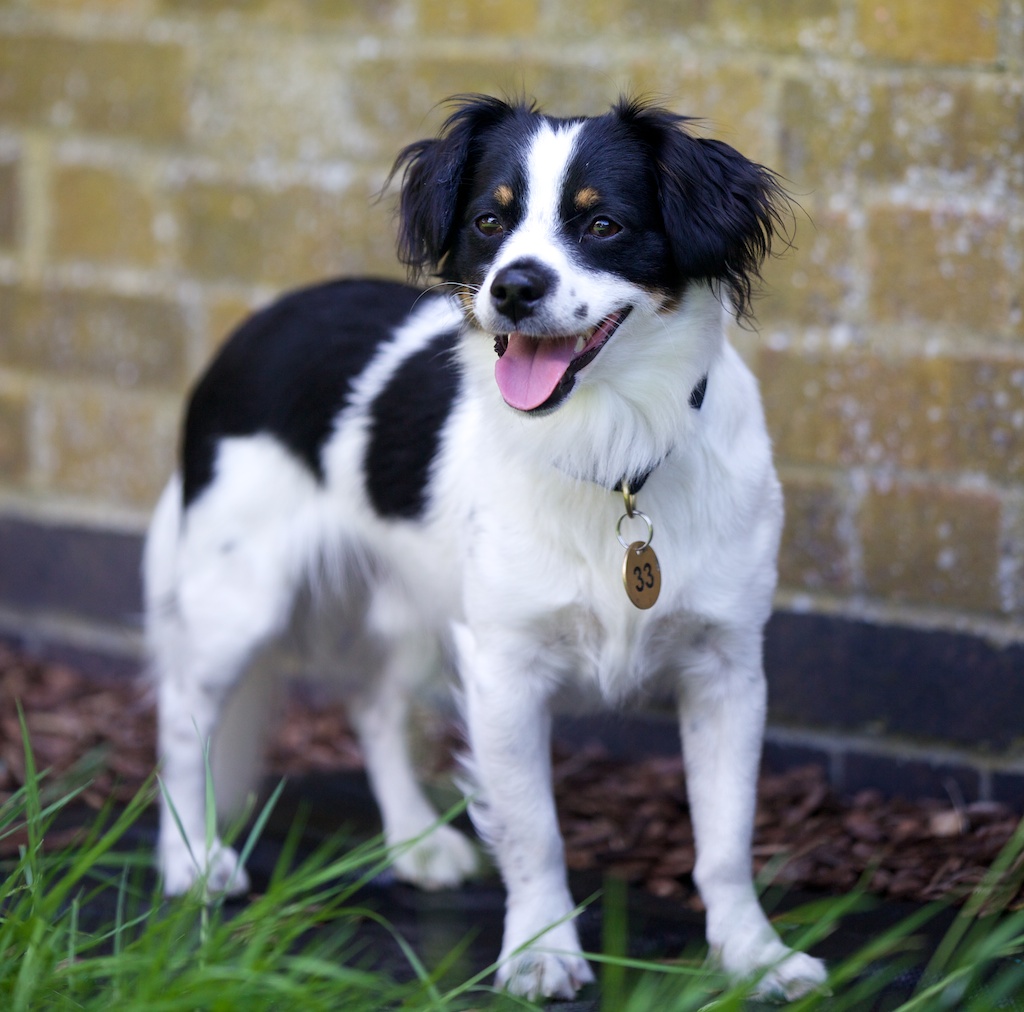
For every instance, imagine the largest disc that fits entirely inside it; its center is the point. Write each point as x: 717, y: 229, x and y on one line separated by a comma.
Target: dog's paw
x: 797, y: 975
x: 443, y: 859
x: 534, y: 974
x: 223, y: 873
x: 779, y: 973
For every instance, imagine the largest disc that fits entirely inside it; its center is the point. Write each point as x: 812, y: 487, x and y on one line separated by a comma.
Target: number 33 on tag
x: 641, y: 574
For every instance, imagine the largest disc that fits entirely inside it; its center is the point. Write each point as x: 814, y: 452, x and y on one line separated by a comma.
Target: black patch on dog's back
x: 406, y: 419
x: 288, y: 370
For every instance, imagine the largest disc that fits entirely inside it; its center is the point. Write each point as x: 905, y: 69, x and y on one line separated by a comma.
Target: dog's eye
x: 488, y: 225
x: 603, y: 228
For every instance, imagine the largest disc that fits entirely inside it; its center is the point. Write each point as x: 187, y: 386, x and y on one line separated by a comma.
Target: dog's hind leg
x: 722, y: 713
x: 210, y: 732
x: 442, y: 857
x: 207, y: 622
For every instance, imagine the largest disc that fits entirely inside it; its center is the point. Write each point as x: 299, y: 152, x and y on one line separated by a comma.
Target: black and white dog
x: 551, y: 470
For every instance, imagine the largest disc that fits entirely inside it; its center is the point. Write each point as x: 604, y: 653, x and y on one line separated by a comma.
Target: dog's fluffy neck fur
x: 607, y: 431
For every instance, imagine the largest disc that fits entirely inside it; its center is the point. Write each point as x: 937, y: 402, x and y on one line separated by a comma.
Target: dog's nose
x: 518, y: 287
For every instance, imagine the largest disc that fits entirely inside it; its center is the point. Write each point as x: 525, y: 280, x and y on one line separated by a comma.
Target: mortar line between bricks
x: 61, y: 630
x: 845, y: 742
x: 1000, y: 633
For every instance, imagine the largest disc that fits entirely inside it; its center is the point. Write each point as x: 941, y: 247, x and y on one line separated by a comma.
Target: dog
x: 550, y: 471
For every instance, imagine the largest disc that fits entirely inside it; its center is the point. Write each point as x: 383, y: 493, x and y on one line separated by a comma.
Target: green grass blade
x: 991, y: 888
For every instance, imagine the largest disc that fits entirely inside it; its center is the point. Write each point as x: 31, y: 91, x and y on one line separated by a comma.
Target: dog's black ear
x: 434, y: 176
x: 722, y: 211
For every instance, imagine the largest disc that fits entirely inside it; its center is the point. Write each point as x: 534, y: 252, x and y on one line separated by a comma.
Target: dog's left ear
x: 434, y: 176
x: 722, y: 211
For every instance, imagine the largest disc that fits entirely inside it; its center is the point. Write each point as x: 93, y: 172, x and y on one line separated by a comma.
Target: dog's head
x: 559, y: 233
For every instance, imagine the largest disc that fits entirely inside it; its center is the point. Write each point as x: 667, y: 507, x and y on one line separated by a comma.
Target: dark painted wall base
x: 909, y: 711
x: 87, y: 574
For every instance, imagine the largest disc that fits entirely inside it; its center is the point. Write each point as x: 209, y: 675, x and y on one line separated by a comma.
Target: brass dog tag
x: 641, y: 574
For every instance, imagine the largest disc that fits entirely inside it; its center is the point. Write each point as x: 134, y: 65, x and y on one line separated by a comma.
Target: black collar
x: 637, y: 481
x: 698, y: 392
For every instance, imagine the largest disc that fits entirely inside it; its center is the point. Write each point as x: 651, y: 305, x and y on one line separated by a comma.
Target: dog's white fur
x: 515, y: 571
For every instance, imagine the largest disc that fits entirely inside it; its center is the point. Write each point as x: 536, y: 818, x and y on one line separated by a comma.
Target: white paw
x: 798, y: 974
x: 534, y: 974
x: 223, y: 871
x: 225, y: 874
x: 778, y: 971
x: 443, y: 859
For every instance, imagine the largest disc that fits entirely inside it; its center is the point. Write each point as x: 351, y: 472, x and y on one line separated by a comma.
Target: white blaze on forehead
x: 547, y: 162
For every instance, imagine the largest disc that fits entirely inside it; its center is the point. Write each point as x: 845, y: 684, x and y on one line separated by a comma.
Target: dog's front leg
x: 509, y: 727
x: 722, y: 713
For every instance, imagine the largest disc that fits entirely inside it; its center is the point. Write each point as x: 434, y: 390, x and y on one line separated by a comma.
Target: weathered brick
x: 13, y: 434
x: 129, y: 341
x: 730, y: 99
x: 1012, y: 36
x: 984, y: 418
x: 563, y: 89
x: 631, y: 18
x: 282, y: 237
x: 104, y: 444
x: 929, y: 31
x: 117, y: 87
x: 810, y: 409
x: 962, y: 130
x: 293, y: 98
x: 398, y: 98
x: 369, y: 16
x: 8, y: 203
x: 904, y: 413
x: 1011, y: 573
x: 937, y: 414
x: 894, y: 127
x: 504, y: 18
x: 942, y: 267
x: 784, y: 24
x: 935, y: 546
x: 817, y: 123
x: 246, y: 7
x: 280, y: 98
x: 811, y: 282
x: 814, y: 553
x: 91, y: 6
x: 103, y: 215
x: 223, y: 314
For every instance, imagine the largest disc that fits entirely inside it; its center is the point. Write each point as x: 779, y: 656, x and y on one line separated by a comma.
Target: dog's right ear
x: 434, y: 172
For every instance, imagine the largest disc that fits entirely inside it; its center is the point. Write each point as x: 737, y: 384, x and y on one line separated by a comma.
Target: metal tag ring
x: 636, y: 515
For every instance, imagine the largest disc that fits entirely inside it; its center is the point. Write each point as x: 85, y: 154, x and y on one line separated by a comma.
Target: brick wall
x: 167, y: 164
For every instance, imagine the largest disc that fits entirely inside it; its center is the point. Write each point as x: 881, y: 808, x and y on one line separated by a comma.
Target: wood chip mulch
x: 628, y: 819
x: 631, y: 820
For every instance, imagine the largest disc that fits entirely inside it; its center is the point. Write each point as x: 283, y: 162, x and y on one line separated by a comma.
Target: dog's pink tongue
x: 529, y: 370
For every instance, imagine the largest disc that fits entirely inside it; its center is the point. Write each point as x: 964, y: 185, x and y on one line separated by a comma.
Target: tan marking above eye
x: 504, y: 195
x: 587, y: 197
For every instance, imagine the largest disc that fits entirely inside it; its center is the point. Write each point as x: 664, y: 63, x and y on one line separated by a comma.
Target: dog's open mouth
x: 537, y: 372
